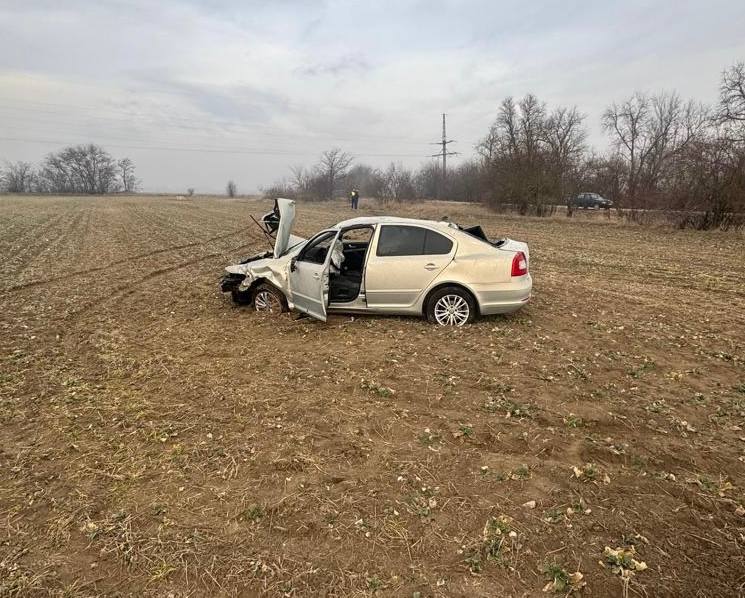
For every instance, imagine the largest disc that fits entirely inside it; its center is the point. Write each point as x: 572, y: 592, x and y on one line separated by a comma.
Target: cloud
x: 343, y: 65
x: 294, y: 77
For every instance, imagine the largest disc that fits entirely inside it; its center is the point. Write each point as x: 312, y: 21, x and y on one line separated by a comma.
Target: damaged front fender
x: 261, y: 267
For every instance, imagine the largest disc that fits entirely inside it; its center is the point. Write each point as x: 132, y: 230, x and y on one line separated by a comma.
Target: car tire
x: 269, y: 299
x: 451, y: 306
x: 241, y: 297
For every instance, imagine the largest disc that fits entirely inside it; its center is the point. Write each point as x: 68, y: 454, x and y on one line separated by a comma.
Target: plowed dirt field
x: 156, y: 440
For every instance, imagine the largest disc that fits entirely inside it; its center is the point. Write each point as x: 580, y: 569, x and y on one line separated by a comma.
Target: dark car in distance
x: 590, y: 200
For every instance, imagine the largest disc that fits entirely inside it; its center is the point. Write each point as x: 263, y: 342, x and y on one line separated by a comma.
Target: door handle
x: 430, y: 266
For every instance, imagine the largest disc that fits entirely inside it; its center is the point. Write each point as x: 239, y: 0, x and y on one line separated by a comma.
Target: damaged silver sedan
x: 383, y: 265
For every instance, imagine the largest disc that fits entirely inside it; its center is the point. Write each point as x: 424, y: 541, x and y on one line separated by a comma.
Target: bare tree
x: 601, y: 173
x: 281, y: 188
x: 487, y: 147
x: 398, y: 184
x: 564, y: 135
x: 79, y: 169
x: 230, y: 189
x: 531, y: 125
x: 502, y: 138
x: 301, y: 182
x: 17, y: 177
x: 466, y: 182
x: 127, y: 178
x: 674, y: 125
x: 366, y: 179
x: 625, y: 123
x: 648, y: 132
x: 528, y: 155
x: 731, y: 111
x: 428, y: 178
x: 332, y: 168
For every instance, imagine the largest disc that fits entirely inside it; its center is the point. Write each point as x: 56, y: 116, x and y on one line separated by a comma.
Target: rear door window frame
x: 427, y: 231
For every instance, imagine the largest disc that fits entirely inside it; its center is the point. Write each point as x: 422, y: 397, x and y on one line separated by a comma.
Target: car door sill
x: 359, y: 304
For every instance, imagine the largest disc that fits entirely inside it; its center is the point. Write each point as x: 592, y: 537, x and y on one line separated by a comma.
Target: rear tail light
x: 519, y: 264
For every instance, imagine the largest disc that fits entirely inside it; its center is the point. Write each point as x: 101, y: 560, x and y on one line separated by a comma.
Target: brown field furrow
x: 155, y: 439
x: 52, y: 248
x: 17, y: 243
x: 126, y: 260
x: 118, y: 292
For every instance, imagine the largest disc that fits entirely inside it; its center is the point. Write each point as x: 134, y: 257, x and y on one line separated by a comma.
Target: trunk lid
x: 510, y: 245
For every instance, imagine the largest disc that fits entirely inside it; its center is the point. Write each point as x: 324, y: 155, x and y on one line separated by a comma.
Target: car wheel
x: 269, y: 299
x: 240, y: 297
x: 451, y: 306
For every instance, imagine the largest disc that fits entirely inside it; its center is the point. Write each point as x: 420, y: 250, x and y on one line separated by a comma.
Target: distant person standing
x: 354, y: 197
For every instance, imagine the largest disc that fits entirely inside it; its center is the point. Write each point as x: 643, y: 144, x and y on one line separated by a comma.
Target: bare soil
x: 156, y: 440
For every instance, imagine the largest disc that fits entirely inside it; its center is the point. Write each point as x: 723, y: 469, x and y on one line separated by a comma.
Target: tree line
x: 85, y: 169
x: 666, y: 155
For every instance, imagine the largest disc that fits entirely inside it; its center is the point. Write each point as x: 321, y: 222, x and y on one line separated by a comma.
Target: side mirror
x: 292, y: 264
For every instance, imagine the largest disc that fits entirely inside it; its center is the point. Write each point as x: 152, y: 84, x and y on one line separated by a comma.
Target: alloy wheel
x: 452, y: 310
x: 267, y: 301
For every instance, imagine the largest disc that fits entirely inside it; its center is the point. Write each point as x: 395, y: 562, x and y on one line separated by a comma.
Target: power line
x: 190, y: 123
x: 168, y: 137
x: 250, y: 151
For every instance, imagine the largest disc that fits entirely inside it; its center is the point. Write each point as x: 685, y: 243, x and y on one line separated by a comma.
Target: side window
x: 317, y: 249
x: 400, y: 240
x: 357, y: 236
x: 436, y: 244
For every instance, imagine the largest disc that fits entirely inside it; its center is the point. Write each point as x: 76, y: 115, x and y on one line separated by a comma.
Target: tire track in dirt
x: 130, y: 288
x: 138, y: 257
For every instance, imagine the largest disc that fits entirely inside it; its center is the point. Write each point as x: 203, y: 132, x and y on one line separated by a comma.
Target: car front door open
x: 309, y: 275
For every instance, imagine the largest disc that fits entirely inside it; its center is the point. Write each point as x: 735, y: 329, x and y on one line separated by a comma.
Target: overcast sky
x: 199, y: 92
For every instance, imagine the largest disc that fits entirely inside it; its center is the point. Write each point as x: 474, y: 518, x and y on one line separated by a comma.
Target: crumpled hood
x: 286, y: 209
x: 260, y: 260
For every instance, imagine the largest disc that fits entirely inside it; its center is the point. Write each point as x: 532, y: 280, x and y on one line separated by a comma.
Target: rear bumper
x: 504, y: 298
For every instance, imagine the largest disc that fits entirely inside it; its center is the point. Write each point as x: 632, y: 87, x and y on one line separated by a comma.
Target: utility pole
x: 444, y: 153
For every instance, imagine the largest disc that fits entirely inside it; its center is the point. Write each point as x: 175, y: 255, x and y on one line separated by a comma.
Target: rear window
x: 411, y: 240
